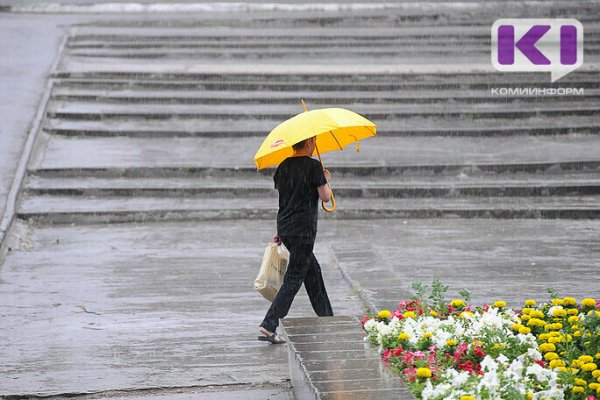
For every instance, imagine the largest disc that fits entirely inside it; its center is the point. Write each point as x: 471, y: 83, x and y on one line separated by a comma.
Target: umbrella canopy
x: 335, y: 128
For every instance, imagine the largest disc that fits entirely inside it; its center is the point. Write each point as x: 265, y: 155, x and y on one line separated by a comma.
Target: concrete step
x: 324, y: 98
x: 415, y: 126
x: 379, y: 81
x: 100, y: 111
x: 337, y: 363
x: 98, y: 81
x: 385, y: 154
x: 78, y: 209
x: 262, y: 186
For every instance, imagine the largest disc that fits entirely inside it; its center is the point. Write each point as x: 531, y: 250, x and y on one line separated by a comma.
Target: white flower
x: 502, y: 359
x: 534, y: 354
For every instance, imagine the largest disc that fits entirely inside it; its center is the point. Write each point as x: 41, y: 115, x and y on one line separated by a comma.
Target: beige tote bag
x: 272, y: 270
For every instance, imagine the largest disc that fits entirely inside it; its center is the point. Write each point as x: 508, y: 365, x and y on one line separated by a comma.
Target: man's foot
x: 272, y: 337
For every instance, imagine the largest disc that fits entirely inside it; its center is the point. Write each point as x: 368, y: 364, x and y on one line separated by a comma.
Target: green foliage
x: 420, y: 291
x: 553, y: 293
x: 437, y: 294
x: 466, y: 295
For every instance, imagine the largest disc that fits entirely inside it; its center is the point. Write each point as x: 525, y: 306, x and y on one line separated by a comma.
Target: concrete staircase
x: 140, y: 126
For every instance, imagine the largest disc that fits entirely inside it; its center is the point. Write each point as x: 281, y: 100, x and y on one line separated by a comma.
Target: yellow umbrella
x: 334, y: 128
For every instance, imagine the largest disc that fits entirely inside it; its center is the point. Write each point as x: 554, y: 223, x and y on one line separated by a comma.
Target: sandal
x: 274, y: 338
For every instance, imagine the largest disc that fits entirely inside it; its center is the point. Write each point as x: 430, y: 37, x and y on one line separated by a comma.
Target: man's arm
x: 325, y: 190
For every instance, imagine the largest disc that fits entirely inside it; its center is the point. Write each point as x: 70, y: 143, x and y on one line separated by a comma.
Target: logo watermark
x: 536, y: 92
x: 552, y: 45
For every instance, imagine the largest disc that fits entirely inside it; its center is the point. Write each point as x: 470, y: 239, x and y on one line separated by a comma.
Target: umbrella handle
x: 333, y: 206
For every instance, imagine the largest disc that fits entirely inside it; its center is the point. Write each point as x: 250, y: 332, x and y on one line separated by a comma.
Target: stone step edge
x: 357, y: 170
x: 466, y: 132
x: 143, y: 216
x: 347, y: 191
x: 303, y: 386
x: 183, y: 115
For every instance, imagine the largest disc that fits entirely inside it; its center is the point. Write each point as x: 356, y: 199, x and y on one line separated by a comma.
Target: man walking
x: 300, y: 181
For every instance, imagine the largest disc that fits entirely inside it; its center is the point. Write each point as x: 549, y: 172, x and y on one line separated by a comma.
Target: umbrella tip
x: 303, y: 105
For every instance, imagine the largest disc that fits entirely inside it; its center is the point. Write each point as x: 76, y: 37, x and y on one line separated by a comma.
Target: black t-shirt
x: 297, y: 180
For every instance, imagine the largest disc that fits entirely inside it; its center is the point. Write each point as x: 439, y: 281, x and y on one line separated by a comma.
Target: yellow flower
x: 424, y: 373
x: 569, y: 301
x: 433, y: 314
x: 536, y: 314
x: 573, y: 319
x: 543, y: 337
x: 384, y: 314
x: 525, y: 318
x: 557, y: 326
x: 409, y: 314
x: 561, y: 369
x: 467, y: 397
x: 500, y: 304
x: 546, y: 347
x: 403, y: 336
x: 529, y: 396
x: 572, y: 311
x: 580, y: 382
x: 577, y: 333
x: 550, y: 356
x: 584, y: 358
x: 596, y: 373
x: 575, y: 364
x: 516, y: 327
x: 594, y: 386
x: 588, y: 302
x: 559, y: 312
x: 427, y: 335
x: 536, y: 322
x: 524, y: 330
x: 589, y: 367
x: 530, y: 303
x: 557, y: 302
x: 526, y: 311
x: 465, y: 314
x: 457, y: 303
x: 450, y: 342
x: 597, y: 355
x: 557, y: 364
x: 556, y: 339
x: 578, y: 389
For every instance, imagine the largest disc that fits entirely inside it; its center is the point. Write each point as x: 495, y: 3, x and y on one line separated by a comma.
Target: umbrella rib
x: 338, y: 143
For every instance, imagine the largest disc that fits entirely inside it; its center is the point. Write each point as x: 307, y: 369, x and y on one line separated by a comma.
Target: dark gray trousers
x: 302, y: 267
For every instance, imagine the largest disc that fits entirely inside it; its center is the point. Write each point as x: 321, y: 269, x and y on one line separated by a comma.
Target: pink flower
x: 411, y: 374
x: 364, y: 319
x: 386, y: 354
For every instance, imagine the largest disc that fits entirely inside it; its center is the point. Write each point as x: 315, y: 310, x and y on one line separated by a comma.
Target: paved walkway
x: 29, y: 46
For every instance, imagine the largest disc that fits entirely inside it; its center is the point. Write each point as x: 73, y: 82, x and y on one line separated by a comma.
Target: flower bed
x: 458, y: 351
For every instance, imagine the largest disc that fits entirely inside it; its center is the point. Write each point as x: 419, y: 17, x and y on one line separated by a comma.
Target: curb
x: 11, y: 204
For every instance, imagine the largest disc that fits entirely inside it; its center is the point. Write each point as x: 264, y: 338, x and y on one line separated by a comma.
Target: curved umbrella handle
x: 333, y: 206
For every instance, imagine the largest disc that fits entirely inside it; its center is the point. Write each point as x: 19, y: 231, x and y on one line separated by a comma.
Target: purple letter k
x: 526, y: 44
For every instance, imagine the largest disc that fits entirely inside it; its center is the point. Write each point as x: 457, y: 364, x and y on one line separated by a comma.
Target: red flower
x: 541, y: 363
x: 478, y: 351
x: 386, y: 354
x: 398, y: 351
